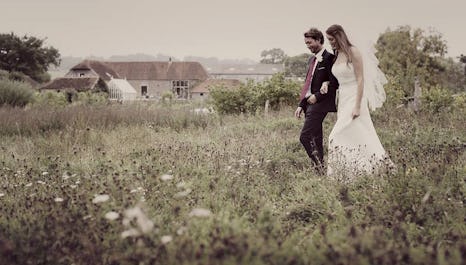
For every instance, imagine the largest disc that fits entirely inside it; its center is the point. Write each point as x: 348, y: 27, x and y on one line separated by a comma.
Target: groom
x: 313, y: 103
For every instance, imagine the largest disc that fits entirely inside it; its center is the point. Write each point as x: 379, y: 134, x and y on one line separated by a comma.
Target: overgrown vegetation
x: 251, y: 98
x: 205, y: 189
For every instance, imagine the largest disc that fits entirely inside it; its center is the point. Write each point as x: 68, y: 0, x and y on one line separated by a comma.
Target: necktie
x: 308, y: 79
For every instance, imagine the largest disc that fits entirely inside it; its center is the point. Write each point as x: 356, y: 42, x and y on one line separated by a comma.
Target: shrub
x: 14, y: 93
x: 50, y: 98
x: 437, y: 99
x: 91, y: 98
x: 251, y: 97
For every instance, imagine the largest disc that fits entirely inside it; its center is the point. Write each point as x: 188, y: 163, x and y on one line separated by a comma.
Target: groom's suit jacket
x: 322, y: 73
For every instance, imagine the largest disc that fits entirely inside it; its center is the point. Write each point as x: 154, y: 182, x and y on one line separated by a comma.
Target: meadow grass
x: 207, y: 189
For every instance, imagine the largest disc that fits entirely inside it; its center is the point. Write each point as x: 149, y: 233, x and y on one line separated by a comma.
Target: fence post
x: 266, y: 108
x: 417, y: 94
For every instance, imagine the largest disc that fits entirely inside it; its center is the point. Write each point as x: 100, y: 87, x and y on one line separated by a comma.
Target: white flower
x: 181, y: 185
x: 183, y: 193
x: 73, y: 186
x: 87, y: 217
x: 181, y: 230
x: 40, y: 182
x: 166, y: 239
x: 101, y: 198
x: 130, y: 233
x: 29, y: 184
x: 144, y: 224
x: 45, y: 173
x: 166, y: 177
x: 58, y: 199
x: 2, y: 194
x: 65, y: 176
x: 200, y: 212
x: 112, y: 216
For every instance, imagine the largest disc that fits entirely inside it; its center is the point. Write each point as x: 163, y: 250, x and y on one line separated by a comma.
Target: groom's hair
x: 315, y: 34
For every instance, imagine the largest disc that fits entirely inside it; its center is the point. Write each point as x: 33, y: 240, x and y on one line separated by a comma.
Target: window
x: 143, y: 91
x: 181, y: 88
x: 81, y: 74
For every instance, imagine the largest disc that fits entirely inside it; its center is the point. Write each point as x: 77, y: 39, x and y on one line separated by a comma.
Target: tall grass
x: 15, y: 93
x: 265, y: 205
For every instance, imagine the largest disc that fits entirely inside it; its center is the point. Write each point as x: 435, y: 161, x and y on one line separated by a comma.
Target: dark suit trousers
x: 312, y: 137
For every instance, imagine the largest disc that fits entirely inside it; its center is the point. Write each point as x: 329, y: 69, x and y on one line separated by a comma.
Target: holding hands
x: 324, y: 88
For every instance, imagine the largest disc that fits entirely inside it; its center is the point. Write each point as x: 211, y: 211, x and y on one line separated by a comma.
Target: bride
x: 354, y: 147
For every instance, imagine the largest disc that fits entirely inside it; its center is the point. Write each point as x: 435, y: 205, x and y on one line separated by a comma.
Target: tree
x: 296, y: 66
x: 27, y: 55
x: 273, y: 56
x: 463, y: 61
x: 406, y: 54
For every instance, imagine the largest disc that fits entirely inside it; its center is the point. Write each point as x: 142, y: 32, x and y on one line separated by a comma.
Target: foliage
x: 437, y: 99
x: 251, y: 97
x: 454, y: 77
x: 91, y: 98
x: 296, y: 66
x: 265, y: 204
x: 273, y: 56
x: 50, y: 98
x: 406, y: 54
x: 167, y: 96
x: 15, y: 93
x: 27, y: 55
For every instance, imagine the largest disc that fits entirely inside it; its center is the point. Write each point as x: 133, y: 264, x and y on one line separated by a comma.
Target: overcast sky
x: 227, y: 29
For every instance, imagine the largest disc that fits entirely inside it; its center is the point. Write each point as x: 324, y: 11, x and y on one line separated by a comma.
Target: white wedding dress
x: 354, y: 147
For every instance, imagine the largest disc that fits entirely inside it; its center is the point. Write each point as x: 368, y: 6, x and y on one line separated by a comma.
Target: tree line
x: 404, y: 54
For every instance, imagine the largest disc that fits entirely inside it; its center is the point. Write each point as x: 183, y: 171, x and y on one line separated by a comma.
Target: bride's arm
x: 359, y: 73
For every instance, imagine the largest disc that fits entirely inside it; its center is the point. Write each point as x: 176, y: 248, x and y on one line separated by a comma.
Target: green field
x: 207, y: 189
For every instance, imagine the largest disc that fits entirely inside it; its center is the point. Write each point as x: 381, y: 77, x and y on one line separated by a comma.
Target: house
x: 244, y: 72
x: 78, y: 84
x: 201, y: 91
x: 149, y: 79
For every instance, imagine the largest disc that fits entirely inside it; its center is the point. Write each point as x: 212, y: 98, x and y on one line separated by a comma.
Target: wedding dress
x: 354, y: 147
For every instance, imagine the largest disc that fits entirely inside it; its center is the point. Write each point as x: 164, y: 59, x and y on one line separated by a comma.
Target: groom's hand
x: 312, y: 99
x: 298, y: 112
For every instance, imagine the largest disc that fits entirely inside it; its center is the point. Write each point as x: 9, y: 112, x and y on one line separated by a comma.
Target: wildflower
x: 112, y: 216
x: 142, y: 221
x: 45, y: 173
x: 73, y: 186
x: 181, y: 230
x: 166, y: 239
x: 183, y: 193
x: 132, y: 232
x: 41, y: 182
x: 166, y: 177
x: 2, y: 194
x: 101, y: 198
x: 29, y: 184
x: 87, y: 217
x: 200, y: 212
x: 58, y: 199
x: 65, y: 176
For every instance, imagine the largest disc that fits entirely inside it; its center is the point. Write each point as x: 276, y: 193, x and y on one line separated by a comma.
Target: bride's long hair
x: 344, y: 45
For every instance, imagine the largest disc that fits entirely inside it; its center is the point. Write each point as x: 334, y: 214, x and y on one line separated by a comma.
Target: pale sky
x: 226, y: 29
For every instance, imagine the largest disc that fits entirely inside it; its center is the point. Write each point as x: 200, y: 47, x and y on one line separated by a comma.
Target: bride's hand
x: 324, y: 88
x: 356, y: 112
